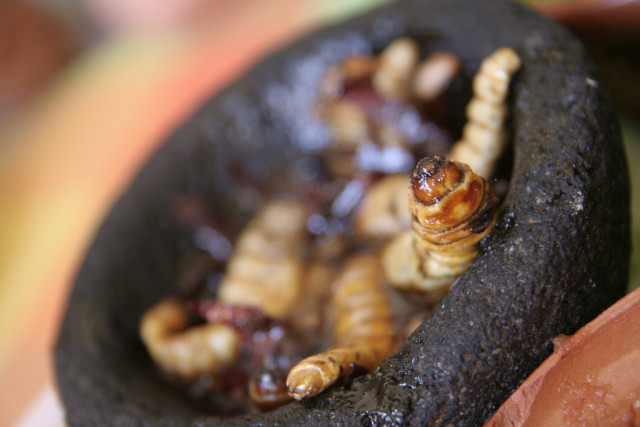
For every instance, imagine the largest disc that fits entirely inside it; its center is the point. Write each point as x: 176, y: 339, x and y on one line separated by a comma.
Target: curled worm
x: 384, y: 211
x: 186, y: 353
x: 266, y: 267
x: 363, y: 334
x: 396, y: 65
x: 453, y: 208
x: 483, y: 136
x: 263, y: 274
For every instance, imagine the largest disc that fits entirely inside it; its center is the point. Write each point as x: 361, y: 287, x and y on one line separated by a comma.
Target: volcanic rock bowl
x: 556, y: 258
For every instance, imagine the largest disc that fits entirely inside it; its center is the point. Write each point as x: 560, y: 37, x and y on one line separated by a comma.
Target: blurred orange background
x: 88, y: 90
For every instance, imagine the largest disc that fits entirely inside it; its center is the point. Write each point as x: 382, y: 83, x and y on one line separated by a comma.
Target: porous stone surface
x: 558, y: 256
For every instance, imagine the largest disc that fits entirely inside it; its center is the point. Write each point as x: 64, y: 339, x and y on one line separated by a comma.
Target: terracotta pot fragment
x: 591, y: 378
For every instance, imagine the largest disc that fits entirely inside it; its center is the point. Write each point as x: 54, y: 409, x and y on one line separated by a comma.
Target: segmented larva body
x: 267, y: 264
x: 264, y: 272
x: 368, y: 101
x: 363, y: 334
x: 383, y: 212
x: 483, y: 136
x: 453, y: 208
x: 186, y: 353
x: 433, y: 76
x: 396, y: 65
x: 308, y: 314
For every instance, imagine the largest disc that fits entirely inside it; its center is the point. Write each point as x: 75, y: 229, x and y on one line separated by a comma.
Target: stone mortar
x: 557, y: 257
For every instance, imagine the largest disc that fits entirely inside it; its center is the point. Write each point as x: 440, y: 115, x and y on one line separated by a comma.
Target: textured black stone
x: 557, y: 257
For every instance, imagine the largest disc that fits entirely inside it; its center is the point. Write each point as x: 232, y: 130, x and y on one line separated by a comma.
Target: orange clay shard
x: 363, y: 334
x: 483, y: 136
x: 453, y: 208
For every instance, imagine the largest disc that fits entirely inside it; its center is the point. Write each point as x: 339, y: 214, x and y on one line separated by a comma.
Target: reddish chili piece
x: 245, y: 320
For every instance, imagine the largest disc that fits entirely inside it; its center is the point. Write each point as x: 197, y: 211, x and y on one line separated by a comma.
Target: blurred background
x: 88, y: 90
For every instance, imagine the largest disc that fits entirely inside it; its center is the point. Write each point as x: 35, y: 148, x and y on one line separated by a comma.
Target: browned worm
x: 363, y: 334
x: 267, y: 264
x: 453, y: 208
x: 483, y: 136
x: 186, y: 353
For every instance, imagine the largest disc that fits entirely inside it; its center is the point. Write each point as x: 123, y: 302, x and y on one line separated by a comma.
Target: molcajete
x: 557, y: 257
